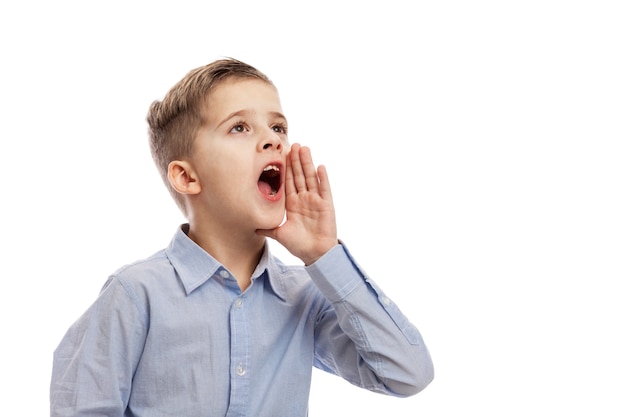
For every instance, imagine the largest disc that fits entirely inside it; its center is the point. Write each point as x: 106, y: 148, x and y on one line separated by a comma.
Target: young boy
x: 214, y: 325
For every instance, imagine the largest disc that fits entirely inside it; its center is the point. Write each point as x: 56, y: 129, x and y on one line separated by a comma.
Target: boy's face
x: 240, y: 154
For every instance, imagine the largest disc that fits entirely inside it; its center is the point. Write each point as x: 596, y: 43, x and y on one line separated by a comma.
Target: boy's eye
x: 280, y: 129
x: 238, y: 128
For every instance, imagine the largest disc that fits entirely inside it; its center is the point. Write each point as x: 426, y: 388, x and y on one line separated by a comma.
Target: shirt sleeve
x: 363, y: 336
x: 94, y: 362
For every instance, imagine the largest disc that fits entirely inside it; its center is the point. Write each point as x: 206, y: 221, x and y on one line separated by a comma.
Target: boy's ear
x: 183, y: 178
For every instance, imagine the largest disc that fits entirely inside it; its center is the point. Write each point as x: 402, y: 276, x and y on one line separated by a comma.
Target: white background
x: 476, y: 152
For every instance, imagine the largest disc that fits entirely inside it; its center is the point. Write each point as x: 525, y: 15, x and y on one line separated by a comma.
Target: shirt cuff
x: 336, y: 273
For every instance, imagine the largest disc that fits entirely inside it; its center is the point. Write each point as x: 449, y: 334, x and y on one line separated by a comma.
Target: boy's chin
x: 273, y: 222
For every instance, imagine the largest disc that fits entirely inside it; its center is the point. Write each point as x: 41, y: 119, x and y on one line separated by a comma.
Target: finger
x: 325, y: 191
x: 290, y: 187
x: 299, y: 179
x: 310, y: 173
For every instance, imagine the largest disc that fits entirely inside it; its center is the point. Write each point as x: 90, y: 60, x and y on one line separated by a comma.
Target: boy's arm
x: 94, y: 362
x: 364, y: 337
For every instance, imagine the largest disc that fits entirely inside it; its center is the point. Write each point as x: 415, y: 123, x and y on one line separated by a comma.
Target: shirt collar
x: 195, y: 266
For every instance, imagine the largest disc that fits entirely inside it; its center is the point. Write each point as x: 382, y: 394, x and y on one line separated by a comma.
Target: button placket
x: 239, y: 352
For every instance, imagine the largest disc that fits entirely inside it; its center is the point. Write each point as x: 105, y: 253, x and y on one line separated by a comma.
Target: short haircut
x: 174, y: 121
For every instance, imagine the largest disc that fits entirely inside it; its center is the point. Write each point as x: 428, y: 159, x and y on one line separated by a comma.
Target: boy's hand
x: 310, y: 229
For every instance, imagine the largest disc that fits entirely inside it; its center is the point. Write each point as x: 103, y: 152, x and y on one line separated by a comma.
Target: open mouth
x: 269, y: 180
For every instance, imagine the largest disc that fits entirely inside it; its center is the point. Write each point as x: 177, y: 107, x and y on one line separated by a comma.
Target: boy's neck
x: 239, y: 254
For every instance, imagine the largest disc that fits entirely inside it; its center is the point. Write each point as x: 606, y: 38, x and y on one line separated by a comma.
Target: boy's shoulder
x: 145, y: 271
x: 155, y: 263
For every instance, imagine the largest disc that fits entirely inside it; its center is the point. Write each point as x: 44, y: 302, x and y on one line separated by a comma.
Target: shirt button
x: 238, y: 303
x: 224, y: 273
x: 241, y: 371
x: 386, y: 301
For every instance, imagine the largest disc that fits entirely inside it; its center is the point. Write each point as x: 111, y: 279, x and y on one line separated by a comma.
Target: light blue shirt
x: 174, y: 335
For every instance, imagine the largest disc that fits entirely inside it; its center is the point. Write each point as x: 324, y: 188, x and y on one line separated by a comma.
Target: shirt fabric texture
x: 174, y: 335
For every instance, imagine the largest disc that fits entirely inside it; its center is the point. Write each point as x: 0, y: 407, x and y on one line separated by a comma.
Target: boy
x: 213, y: 325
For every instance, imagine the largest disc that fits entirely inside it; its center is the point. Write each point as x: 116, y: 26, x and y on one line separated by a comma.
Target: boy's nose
x: 271, y: 141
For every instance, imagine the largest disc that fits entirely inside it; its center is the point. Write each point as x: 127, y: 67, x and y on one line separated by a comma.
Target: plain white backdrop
x: 476, y: 153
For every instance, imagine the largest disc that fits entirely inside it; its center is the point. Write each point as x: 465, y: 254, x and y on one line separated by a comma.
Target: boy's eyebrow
x: 278, y: 114
x: 244, y: 112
